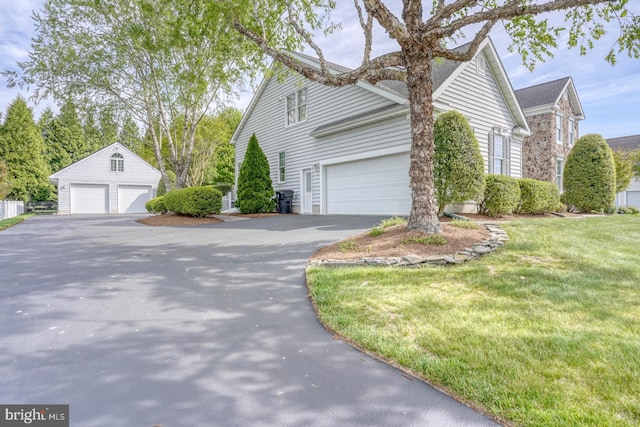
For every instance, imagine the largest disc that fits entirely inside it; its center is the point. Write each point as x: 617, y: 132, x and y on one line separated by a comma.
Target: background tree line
x: 31, y: 150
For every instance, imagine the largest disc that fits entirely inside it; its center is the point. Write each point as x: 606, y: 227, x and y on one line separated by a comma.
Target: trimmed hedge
x: 156, y: 205
x: 501, y: 195
x: 458, y: 167
x: 194, y: 201
x: 538, y: 196
x: 590, y: 175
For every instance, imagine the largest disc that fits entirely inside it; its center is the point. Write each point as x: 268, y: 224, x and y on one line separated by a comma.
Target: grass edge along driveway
x: 10, y: 222
x: 543, y: 332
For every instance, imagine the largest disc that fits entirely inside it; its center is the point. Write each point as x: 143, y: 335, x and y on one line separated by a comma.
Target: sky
x: 610, y: 95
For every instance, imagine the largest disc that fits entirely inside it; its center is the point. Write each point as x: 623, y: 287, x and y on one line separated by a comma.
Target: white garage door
x: 132, y: 198
x: 372, y: 186
x: 633, y: 199
x: 89, y: 198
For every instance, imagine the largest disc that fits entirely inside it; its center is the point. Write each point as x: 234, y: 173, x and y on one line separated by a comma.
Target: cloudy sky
x: 610, y: 95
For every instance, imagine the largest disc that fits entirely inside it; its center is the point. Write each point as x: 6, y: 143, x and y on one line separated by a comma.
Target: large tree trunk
x: 424, y: 209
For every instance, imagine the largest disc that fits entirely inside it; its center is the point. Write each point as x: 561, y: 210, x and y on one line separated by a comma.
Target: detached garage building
x: 112, y: 180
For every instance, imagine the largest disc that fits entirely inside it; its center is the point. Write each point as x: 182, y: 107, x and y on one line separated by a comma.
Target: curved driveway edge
x: 190, y: 326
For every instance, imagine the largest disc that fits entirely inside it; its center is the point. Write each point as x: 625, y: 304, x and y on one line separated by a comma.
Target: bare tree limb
x: 388, y: 20
x: 473, y: 47
x: 367, y: 29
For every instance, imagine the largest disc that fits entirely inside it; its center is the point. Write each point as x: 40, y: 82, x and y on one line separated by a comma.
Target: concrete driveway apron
x: 179, y: 326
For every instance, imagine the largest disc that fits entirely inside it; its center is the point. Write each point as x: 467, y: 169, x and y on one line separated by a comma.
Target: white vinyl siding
x: 302, y: 150
x: 95, y: 170
x: 480, y: 100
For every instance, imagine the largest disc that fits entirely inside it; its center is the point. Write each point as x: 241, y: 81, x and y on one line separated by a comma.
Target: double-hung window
x: 498, y: 154
x: 117, y: 162
x: 282, y: 175
x: 559, y: 170
x: 572, y: 138
x: 297, y: 107
x: 558, y: 128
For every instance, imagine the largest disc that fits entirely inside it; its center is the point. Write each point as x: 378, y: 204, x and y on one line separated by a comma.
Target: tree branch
x: 388, y: 20
x: 473, y: 47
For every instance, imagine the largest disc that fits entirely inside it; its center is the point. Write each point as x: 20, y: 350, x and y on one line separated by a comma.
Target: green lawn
x: 6, y: 223
x: 545, y: 332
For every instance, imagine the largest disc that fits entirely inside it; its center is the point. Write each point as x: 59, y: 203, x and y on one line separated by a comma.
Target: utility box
x: 285, y: 201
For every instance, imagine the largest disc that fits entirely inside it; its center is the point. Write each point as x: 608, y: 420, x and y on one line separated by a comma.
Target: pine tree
x: 255, y: 189
x: 55, y: 154
x: 71, y: 134
x: 22, y: 148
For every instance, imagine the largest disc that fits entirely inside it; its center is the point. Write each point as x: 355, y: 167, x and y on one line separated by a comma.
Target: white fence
x: 10, y: 208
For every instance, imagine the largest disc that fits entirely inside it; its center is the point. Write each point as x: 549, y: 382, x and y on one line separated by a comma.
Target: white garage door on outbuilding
x: 633, y: 198
x: 378, y: 186
x: 89, y: 198
x: 132, y: 198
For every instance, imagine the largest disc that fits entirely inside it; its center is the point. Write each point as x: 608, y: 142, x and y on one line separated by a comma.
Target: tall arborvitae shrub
x: 255, y: 189
x: 590, y: 175
x: 458, y: 166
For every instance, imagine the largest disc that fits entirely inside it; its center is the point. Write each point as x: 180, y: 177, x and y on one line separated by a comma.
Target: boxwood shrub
x: 501, y: 195
x: 194, y: 201
x: 156, y: 205
x: 538, y: 196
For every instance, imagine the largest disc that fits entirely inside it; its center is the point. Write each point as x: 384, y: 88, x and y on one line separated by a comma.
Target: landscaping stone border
x: 496, y: 240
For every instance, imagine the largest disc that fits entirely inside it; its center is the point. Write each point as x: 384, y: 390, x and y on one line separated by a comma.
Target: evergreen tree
x: 22, y: 148
x: 255, y: 189
x: 71, y: 134
x: 108, y: 127
x: 5, y: 184
x: 55, y: 155
x: 129, y: 135
x: 590, y: 175
x: 458, y: 166
x: 92, y: 138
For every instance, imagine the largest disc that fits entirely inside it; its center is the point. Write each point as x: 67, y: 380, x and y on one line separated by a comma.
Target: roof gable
x: 624, y: 143
x: 548, y: 94
x: 443, y: 73
x: 115, y: 147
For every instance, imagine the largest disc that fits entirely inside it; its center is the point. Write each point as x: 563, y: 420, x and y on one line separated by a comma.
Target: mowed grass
x: 545, y: 332
x: 10, y: 222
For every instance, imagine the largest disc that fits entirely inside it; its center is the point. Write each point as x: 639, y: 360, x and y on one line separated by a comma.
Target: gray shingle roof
x: 625, y: 143
x: 541, y: 94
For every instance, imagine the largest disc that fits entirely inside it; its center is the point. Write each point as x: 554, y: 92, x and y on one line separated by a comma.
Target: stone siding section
x: 541, y: 150
x: 495, y: 241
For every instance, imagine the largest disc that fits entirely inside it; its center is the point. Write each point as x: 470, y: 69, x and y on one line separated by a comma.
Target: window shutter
x: 507, y: 156
x: 490, y: 160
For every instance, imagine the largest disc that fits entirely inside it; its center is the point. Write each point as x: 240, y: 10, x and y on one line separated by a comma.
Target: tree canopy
x: 424, y: 32
x: 162, y: 61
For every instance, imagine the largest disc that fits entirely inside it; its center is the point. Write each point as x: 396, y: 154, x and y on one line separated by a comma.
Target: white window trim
x: 116, y: 163
x: 559, y: 176
x: 282, y: 167
x: 561, y: 128
x: 572, y: 135
x: 506, y: 159
x: 296, y: 107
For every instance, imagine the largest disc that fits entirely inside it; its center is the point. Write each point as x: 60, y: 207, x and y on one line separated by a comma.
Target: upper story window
x: 559, y: 128
x: 572, y: 137
x: 282, y: 175
x: 297, y: 106
x: 117, y: 162
x: 480, y: 65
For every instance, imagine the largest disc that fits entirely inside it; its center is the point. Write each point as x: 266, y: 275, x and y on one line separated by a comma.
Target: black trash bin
x: 285, y: 200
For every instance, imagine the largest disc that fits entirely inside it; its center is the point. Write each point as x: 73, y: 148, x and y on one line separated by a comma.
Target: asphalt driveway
x: 139, y: 326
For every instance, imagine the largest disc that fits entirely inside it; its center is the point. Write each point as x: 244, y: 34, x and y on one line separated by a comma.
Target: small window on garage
x: 117, y: 162
x: 282, y: 176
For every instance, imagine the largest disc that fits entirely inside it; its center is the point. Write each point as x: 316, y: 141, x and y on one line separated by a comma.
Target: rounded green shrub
x: 501, y: 195
x: 156, y: 205
x: 255, y: 188
x: 458, y: 166
x: 194, y: 201
x: 590, y: 175
x: 538, y: 196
